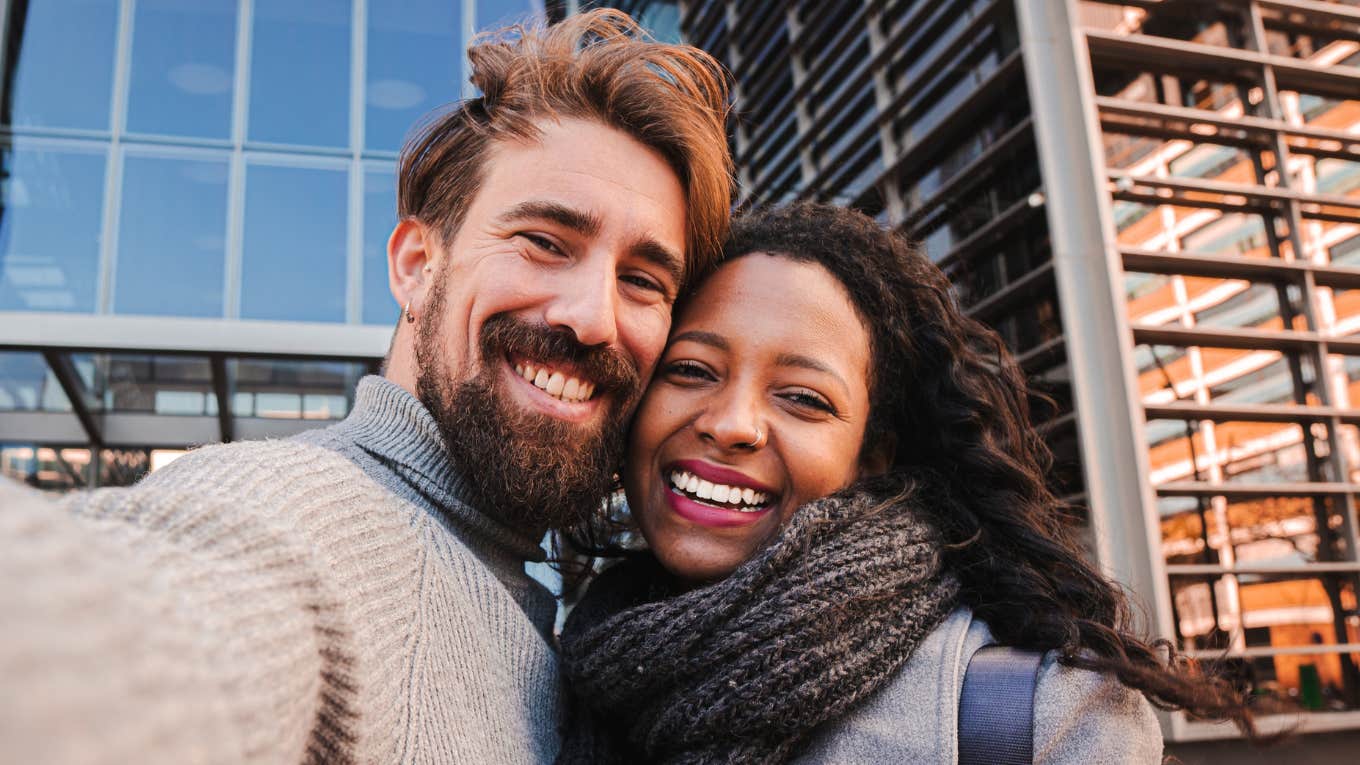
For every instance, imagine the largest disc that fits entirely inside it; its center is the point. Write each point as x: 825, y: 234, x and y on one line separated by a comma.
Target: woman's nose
x: 732, y: 423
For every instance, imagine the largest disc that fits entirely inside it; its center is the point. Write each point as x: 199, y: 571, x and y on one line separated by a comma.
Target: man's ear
x: 412, y: 252
x: 877, y: 458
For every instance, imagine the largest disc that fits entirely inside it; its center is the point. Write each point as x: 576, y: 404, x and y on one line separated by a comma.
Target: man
x: 358, y: 594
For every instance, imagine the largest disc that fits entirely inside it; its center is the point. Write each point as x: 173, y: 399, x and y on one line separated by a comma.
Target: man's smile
x: 555, y: 380
x: 547, y: 391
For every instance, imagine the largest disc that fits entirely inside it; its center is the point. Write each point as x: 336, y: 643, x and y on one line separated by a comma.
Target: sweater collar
x: 396, y: 429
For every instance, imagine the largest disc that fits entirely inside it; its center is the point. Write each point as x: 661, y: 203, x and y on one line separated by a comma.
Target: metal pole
x: 1089, y: 277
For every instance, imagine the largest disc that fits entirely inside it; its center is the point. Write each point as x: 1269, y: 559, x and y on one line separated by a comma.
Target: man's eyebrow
x: 580, y: 221
x: 663, y: 256
x: 704, y: 338
x: 807, y: 362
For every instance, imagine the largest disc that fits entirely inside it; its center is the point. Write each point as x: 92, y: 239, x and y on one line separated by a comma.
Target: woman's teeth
x: 556, y: 384
x: 745, y: 500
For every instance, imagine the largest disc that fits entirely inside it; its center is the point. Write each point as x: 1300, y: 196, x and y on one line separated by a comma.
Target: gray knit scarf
x: 742, y: 671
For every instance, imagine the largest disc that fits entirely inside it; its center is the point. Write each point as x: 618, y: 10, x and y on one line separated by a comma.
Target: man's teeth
x: 556, y: 384
x: 739, y: 498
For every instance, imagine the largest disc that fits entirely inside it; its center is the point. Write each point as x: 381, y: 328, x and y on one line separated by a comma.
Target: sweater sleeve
x: 157, y: 626
x: 1091, y: 718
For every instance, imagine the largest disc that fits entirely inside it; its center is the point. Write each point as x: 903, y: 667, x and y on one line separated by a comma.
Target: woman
x: 843, y: 498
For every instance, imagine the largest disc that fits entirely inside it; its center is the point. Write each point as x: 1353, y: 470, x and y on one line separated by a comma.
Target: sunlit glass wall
x: 1232, y: 152
x: 216, y: 158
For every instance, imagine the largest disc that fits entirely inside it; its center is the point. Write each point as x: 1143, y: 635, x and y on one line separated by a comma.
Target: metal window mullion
x: 744, y: 179
x: 888, y: 183
x: 354, y: 251
x: 236, y: 167
x: 236, y: 201
x: 469, y: 30
x: 1087, y: 272
x: 5, y: 82
x: 113, y: 167
x: 807, y: 161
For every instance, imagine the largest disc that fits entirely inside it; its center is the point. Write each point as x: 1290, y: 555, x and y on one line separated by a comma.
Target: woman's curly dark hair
x: 950, y: 397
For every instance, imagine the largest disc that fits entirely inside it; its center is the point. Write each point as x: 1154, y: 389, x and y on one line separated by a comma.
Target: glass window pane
x: 63, y: 69
x: 293, y: 261
x: 662, y: 20
x: 415, y: 63
x: 56, y: 470
x: 1232, y: 452
x: 171, y: 241
x: 1263, y: 614
x: 1259, y: 530
x: 380, y: 216
x: 50, y: 219
x: 299, y: 80
x: 178, y: 385
x: 277, y: 389
x: 26, y: 384
x: 498, y: 13
x: 183, y: 60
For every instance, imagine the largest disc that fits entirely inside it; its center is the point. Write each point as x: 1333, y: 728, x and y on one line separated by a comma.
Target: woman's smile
x: 711, y: 495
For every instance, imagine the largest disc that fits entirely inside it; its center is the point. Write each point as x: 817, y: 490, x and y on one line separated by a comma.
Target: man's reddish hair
x: 600, y: 66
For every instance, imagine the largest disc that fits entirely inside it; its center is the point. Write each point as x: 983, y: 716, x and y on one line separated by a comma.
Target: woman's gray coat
x: 1079, y: 716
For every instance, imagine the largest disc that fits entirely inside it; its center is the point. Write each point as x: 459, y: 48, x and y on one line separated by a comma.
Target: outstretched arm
x: 151, y: 626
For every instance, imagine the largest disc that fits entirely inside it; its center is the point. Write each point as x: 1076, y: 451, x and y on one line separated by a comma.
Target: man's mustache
x: 607, y: 367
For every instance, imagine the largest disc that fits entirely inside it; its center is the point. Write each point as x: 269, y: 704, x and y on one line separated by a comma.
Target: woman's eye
x: 688, y: 370
x: 809, y: 400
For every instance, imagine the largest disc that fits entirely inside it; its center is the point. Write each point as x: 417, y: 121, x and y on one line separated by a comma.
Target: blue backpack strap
x: 996, y: 708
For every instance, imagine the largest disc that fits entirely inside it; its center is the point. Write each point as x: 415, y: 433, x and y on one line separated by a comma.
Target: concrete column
x: 1089, y: 276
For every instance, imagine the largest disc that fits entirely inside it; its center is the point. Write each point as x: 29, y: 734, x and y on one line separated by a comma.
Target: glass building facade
x: 1157, y: 205
x: 195, y: 200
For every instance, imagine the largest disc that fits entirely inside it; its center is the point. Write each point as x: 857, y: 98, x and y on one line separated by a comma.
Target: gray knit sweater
x: 324, y: 598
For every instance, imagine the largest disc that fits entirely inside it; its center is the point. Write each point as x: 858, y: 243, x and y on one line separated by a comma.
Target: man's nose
x: 587, y: 304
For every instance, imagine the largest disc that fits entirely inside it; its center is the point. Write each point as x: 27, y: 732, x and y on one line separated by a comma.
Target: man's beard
x: 527, y: 468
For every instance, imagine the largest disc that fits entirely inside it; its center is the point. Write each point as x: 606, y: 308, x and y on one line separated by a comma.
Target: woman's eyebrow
x: 807, y: 362
x: 705, y: 338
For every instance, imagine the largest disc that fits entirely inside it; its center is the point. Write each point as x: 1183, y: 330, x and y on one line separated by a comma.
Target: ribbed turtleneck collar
x: 393, y: 427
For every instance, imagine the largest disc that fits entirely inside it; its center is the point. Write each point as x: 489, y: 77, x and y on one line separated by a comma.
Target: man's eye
x: 542, y: 243
x: 644, y: 282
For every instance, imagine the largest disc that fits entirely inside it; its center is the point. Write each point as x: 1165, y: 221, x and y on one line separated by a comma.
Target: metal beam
x: 1146, y: 51
x: 1243, y: 339
x: 141, y: 334
x: 82, y: 404
x: 1189, y: 410
x: 222, y: 390
x: 1263, y: 195
x: 1026, y: 287
x: 46, y: 428
x: 1301, y: 569
x: 1263, y: 128
x: 142, y: 430
x: 1254, y: 490
x: 1089, y: 278
x: 1234, y: 267
x: 1314, y: 9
